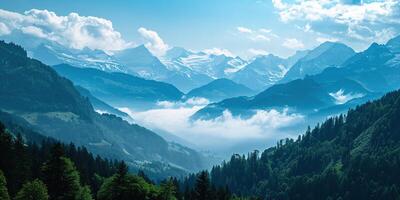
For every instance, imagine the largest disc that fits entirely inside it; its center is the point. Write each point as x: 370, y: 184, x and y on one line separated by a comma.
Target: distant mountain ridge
x: 118, y: 88
x: 220, y: 89
x: 262, y: 72
x: 328, y: 54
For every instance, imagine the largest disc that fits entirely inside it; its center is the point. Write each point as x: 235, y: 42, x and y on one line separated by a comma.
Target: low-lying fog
x: 224, y: 135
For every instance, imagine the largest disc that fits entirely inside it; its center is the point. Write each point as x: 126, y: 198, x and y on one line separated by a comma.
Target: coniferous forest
x: 52, y: 170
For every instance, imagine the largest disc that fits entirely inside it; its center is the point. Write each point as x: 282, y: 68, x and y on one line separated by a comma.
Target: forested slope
x: 353, y: 156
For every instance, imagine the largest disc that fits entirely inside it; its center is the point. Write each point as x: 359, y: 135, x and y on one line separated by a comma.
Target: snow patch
x: 342, y: 98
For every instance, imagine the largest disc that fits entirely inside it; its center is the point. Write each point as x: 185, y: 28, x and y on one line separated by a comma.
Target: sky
x: 235, y: 27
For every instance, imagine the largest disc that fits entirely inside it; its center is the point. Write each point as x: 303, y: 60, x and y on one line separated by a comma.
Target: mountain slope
x: 100, y: 106
x: 220, y: 89
x: 328, y: 54
x: 118, y: 88
x: 139, y: 61
x: 347, y: 157
x: 51, y: 104
x: 52, y: 53
x: 24, y: 81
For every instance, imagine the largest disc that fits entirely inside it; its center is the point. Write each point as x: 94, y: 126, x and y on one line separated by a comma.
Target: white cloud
x: 263, y: 30
x: 259, y: 37
x: 382, y: 36
x: 34, y: 31
x: 256, y: 35
x: 219, y: 51
x: 362, y: 20
x: 326, y: 39
x: 256, y: 52
x: 155, y: 44
x: 4, y: 30
x: 194, y: 101
x: 244, y: 29
x: 334, y: 9
x: 73, y: 30
x: 307, y: 28
x: 225, y: 130
x: 293, y: 43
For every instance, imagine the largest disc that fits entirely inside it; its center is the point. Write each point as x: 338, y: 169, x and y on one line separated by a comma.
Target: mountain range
x: 51, y: 105
x: 188, y: 70
x: 363, y: 76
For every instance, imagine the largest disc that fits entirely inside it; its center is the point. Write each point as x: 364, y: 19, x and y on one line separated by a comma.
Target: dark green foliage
x: 126, y: 187
x: 355, y: 156
x: 85, y: 193
x: 23, y: 162
x: 3, y: 187
x: 202, y: 189
x: 199, y: 187
x: 61, y: 177
x: 168, y: 190
x: 53, y: 163
x: 35, y: 190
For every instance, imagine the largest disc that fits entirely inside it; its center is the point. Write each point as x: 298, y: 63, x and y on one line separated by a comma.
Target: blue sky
x: 242, y: 27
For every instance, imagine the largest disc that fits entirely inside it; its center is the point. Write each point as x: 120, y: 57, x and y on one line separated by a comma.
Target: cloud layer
x: 361, y: 20
x: 226, y: 130
x: 73, y: 30
x: 293, y: 43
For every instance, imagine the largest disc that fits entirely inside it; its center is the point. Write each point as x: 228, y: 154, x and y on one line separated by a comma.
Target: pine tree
x: 202, y: 190
x: 85, y: 194
x: 7, y: 158
x: 167, y: 190
x: 61, y: 176
x: 3, y: 187
x: 124, y: 186
x: 22, y: 170
x: 35, y: 190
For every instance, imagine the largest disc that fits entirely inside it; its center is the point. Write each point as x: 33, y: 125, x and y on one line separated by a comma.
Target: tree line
x: 55, y: 171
